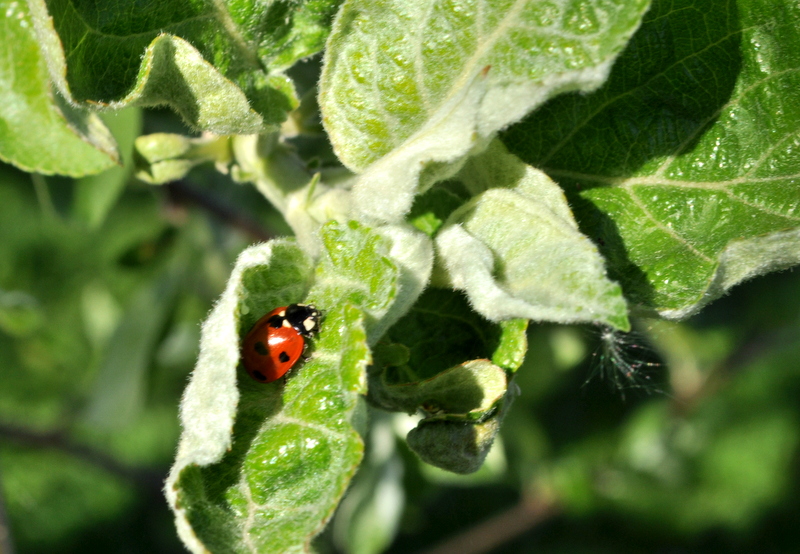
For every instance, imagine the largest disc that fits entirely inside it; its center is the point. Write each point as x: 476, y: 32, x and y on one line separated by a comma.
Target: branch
x: 58, y: 440
x: 527, y: 514
x: 184, y: 193
x: 6, y: 543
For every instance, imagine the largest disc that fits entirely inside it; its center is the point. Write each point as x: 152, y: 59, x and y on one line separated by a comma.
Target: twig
x: 182, y: 192
x: 525, y: 515
x: 58, y: 440
x: 6, y: 543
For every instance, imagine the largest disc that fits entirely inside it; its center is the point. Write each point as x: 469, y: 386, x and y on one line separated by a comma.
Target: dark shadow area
x: 441, y: 331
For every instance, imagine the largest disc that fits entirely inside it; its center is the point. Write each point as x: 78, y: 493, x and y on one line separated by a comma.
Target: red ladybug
x: 276, y: 341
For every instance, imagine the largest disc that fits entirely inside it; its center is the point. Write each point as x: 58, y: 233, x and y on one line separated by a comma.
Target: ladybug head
x: 304, y: 318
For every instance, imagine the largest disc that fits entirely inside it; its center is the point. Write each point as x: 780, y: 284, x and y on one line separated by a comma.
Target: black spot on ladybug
x: 260, y: 348
x: 276, y: 321
x: 283, y: 357
x: 258, y: 375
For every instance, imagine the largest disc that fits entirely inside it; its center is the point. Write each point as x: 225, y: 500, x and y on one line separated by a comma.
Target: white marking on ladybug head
x: 309, y: 323
x: 286, y: 323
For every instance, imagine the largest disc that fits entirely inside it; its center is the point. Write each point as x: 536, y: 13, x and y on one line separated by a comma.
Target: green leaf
x: 96, y: 195
x: 684, y: 166
x: 356, y: 268
x: 440, y: 331
x: 265, y: 276
x: 218, y: 64
x: 295, y: 445
x: 413, y: 86
x: 295, y: 453
x: 517, y: 252
x: 421, y: 366
x: 37, y: 132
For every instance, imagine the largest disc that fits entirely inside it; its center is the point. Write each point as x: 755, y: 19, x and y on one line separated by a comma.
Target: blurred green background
x: 102, y: 290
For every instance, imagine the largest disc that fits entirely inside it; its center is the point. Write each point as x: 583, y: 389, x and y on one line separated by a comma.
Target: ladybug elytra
x: 276, y: 342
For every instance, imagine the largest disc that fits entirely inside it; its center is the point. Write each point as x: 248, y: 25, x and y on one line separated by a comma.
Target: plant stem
x: 525, y: 515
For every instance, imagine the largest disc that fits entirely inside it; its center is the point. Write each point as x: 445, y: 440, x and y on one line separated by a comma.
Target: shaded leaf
x: 217, y: 64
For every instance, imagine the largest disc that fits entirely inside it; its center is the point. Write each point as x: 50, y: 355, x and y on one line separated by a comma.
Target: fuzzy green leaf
x: 265, y: 276
x: 37, y: 132
x: 517, y: 251
x: 216, y: 63
x: 685, y: 166
x: 415, y: 85
x: 420, y: 366
x: 355, y: 268
x: 295, y: 444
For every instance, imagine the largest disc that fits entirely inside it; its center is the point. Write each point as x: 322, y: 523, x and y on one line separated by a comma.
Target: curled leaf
x: 517, y: 252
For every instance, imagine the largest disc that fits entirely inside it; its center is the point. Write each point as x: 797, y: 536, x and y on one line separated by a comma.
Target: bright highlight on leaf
x: 409, y: 88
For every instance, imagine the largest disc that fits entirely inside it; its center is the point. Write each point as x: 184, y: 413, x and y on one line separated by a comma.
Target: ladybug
x: 275, y: 343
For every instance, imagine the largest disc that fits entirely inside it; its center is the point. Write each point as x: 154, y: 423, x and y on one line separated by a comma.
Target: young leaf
x: 420, y: 366
x: 684, y: 165
x: 413, y: 85
x: 295, y: 445
x: 265, y: 276
x: 36, y: 133
x: 440, y: 331
x: 165, y: 157
x: 295, y: 452
x: 517, y: 252
x: 217, y: 64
